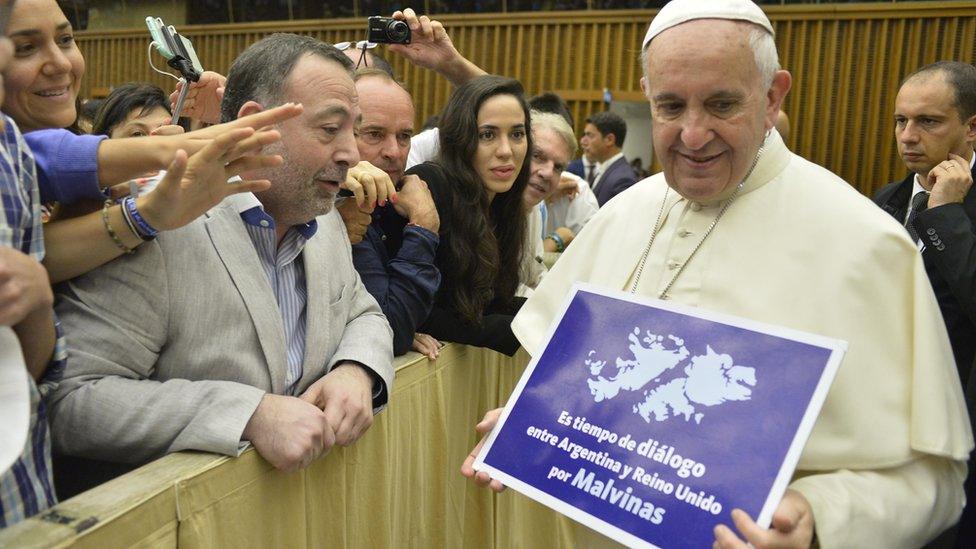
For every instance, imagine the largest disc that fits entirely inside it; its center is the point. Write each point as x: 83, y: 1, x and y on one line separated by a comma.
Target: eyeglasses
x: 362, y: 45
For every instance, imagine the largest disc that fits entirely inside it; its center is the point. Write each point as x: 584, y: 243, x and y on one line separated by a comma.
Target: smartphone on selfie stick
x: 179, y: 54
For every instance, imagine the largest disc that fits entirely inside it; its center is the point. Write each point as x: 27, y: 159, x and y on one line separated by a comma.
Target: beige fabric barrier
x: 399, y: 486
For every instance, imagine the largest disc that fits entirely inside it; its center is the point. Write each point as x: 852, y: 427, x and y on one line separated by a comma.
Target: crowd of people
x: 248, y: 279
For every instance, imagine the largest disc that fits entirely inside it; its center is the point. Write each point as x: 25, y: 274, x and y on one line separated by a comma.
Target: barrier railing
x: 398, y: 486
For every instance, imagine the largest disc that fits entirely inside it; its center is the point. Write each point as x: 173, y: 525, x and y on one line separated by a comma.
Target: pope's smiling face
x: 709, y: 117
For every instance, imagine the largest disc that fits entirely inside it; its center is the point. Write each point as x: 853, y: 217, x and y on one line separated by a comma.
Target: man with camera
x: 399, y: 241
x: 395, y: 243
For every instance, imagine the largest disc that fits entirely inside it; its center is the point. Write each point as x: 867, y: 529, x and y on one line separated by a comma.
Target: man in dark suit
x: 935, y: 127
x: 577, y: 168
x: 602, y: 139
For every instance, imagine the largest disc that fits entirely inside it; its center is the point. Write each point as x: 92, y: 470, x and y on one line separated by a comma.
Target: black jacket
x: 494, y: 330
x: 949, y: 235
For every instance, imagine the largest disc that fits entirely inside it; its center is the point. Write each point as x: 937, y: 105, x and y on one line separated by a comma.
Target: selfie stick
x: 179, y: 100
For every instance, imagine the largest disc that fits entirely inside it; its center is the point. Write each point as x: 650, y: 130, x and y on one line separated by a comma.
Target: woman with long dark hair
x: 477, y: 182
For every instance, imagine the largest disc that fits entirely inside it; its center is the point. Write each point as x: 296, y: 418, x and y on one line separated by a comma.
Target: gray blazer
x: 171, y: 348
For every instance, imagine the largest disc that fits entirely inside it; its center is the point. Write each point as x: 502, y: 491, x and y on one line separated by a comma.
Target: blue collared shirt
x: 285, y: 270
x: 27, y: 488
x: 396, y: 264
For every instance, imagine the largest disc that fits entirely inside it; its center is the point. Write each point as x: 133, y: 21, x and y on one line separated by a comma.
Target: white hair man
x: 750, y: 229
x: 553, y: 146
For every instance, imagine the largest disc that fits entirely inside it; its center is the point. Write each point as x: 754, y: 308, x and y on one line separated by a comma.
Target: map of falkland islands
x: 711, y: 379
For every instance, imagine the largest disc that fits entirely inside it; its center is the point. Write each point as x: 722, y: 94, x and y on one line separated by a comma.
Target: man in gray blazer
x: 250, y: 323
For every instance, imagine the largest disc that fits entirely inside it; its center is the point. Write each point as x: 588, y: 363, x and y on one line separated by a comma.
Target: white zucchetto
x: 677, y: 12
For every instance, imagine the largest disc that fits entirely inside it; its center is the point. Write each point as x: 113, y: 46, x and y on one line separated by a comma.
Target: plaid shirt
x: 27, y: 488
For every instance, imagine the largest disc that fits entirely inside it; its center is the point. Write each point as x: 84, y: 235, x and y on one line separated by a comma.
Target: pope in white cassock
x: 738, y: 224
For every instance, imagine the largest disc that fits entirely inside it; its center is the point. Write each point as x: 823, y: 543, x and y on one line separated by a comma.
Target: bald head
x: 387, y: 125
x: 959, y: 77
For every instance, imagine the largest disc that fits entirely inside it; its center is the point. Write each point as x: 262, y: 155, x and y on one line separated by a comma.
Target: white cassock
x: 801, y: 248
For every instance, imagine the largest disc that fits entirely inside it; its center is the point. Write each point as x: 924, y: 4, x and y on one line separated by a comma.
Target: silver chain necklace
x: 657, y: 227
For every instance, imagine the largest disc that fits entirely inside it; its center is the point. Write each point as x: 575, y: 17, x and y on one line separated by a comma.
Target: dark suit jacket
x: 616, y: 177
x: 949, y: 235
x: 576, y: 168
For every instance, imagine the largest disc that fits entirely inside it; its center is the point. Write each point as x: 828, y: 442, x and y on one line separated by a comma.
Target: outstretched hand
x: 192, y: 185
x: 196, y: 140
x: 168, y: 129
x: 482, y: 478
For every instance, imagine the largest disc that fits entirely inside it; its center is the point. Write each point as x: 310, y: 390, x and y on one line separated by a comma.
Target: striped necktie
x: 591, y: 174
x: 919, y: 203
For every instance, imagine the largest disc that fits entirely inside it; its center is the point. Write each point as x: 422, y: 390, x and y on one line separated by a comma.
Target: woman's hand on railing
x: 426, y: 345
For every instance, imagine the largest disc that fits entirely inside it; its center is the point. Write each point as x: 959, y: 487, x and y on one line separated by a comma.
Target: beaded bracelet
x: 111, y: 232
x: 145, y: 229
x: 557, y: 240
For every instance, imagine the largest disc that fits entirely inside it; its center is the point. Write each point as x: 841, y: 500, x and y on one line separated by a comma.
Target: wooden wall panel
x: 847, y: 61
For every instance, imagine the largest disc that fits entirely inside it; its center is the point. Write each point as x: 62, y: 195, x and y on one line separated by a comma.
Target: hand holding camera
x: 202, y: 100
x: 387, y: 30
x: 430, y: 47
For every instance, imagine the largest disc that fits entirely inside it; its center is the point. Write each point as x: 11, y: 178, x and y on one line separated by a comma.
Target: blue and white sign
x: 649, y: 421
